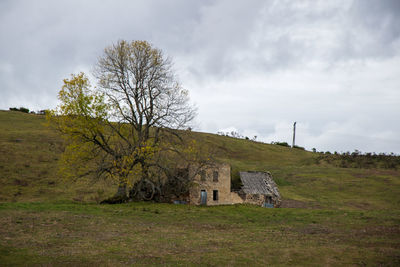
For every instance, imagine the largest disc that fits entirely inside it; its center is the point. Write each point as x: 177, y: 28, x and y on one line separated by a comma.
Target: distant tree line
x: 357, y: 159
x: 26, y: 110
x: 235, y: 134
x: 21, y: 109
x: 285, y: 144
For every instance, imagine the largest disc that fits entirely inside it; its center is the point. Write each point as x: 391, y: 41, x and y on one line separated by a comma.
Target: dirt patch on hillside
x: 375, y: 172
x: 313, y: 229
x: 291, y: 203
x: 359, y: 205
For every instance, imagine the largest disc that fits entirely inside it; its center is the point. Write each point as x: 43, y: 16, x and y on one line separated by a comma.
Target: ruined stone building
x: 212, y: 186
x: 259, y: 188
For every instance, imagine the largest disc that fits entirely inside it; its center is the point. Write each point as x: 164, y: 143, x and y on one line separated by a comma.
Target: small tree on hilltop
x: 127, y: 129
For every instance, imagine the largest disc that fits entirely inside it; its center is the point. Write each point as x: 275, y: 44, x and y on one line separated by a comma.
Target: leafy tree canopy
x: 131, y: 127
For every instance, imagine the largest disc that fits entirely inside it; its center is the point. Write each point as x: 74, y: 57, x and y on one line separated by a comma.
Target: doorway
x: 203, y: 197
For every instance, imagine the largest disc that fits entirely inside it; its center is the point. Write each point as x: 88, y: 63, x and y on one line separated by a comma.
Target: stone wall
x: 255, y: 199
x: 208, y: 183
x: 236, y: 198
x: 259, y: 199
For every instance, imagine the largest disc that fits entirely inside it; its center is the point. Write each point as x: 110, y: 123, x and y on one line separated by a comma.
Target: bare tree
x: 138, y: 81
x: 143, y: 92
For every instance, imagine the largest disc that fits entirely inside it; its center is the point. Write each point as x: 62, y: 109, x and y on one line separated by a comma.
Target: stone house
x: 212, y: 186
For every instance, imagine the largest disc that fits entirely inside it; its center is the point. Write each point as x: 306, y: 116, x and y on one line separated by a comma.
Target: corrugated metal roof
x: 258, y: 183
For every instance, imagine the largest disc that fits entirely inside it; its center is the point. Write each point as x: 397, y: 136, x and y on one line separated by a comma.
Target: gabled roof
x: 258, y: 183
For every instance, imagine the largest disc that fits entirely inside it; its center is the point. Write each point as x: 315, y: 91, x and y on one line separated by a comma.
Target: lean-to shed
x: 259, y: 188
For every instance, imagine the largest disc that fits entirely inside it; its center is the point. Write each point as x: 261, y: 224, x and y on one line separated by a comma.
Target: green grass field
x: 331, y: 216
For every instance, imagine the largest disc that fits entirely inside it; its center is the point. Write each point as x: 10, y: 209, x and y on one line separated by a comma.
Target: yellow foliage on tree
x: 129, y: 127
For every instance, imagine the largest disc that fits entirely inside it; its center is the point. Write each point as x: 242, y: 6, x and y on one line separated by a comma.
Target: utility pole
x: 294, y: 133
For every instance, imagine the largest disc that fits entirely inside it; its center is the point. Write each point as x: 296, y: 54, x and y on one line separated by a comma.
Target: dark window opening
x: 215, y: 176
x: 203, y: 175
x: 215, y: 195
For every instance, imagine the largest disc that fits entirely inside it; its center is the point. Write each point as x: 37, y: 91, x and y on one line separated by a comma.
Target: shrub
x: 357, y: 159
x: 281, y: 144
x: 21, y: 109
x: 236, y: 183
x: 25, y: 110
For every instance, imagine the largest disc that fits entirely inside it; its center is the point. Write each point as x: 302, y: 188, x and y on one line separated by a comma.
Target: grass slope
x: 342, y: 216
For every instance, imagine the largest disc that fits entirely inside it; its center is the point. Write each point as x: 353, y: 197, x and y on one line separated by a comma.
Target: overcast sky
x: 250, y: 66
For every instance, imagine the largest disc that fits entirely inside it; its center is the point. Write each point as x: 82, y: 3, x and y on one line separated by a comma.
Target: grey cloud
x: 223, y: 29
x: 45, y: 41
x: 283, y: 34
x: 379, y: 17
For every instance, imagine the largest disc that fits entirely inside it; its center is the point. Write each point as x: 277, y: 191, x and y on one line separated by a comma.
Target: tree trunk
x: 119, y: 197
x: 121, y: 192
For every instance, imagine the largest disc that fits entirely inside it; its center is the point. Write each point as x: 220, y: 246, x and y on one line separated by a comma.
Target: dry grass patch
x: 230, y: 235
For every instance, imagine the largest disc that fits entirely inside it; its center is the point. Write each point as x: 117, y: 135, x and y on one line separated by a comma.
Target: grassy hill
x: 331, y: 215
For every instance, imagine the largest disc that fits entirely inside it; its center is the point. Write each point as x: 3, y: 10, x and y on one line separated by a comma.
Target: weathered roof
x: 258, y: 183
